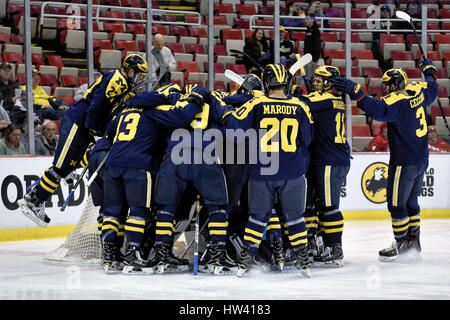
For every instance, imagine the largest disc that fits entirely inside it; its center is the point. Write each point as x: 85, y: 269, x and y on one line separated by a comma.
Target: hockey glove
x: 354, y: 90
x: 428, y: 68
x: 198, y: 95
x: 296, y: 90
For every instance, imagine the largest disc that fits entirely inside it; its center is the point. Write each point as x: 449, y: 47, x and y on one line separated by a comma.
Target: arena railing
x: 348, y: 30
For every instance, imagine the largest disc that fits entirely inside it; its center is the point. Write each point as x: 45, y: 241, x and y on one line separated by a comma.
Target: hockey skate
x: 133, y: 261
x: 216, y: 261
x: 331, y: 257
x: 398, y: 251
x: 315, y: 247
x: 33, y: 208
x: 246, y: 262
x: 111, y: 257
x: 278, y: 256
x: 303, y: 263
x: 165, y: 261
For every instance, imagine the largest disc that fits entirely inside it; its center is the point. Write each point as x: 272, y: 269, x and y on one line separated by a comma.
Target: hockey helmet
x: 275, y: 75
x: 328, y: 74
x: 395, y: 79
x: 253, y: 80
x: 136, y: 62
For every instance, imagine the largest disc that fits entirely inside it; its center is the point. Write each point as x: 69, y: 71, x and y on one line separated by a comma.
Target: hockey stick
x: 233, y: 76
x: 253, y: 61
x: 300, y: 63
x: 63, y: 207
x: 197, y: 234
x: 404, y: 16
x: 302, y: 72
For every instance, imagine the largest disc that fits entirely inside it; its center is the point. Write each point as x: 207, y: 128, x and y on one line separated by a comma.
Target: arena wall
x: 363, y: 197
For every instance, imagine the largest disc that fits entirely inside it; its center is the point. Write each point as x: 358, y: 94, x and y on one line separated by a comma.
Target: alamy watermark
x: 255, y: 147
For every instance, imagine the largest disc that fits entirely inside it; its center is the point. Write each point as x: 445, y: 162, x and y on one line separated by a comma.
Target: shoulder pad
x: 116, y: 86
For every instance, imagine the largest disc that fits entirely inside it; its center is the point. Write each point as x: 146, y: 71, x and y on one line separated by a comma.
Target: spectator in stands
x: 49, y: 136
x: 4, y: 119
x: 287, y: 53
x: 82, y: 89
x: 379, y: 143
x: 435, y: 144
x: 315, y: 10
x: 11, y: 144
x: 39, y: 147
x: 163, y: 61
x: 385, y: 13
x: 45, y: 106
x: 7, y: 86
x: 293, y: 10
x: 312, y: 46
x: 257, y: 47
x: 411, y: 9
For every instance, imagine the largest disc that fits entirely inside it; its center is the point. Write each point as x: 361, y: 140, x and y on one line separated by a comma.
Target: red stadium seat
x: 442, y: 38
x: 245, y: 9
x: 55, y: 60
x: 334, y: 54
x: 17, y: 39
x: 194, y: 19
x: 436, y: 112
x: 175, y: 47
x: 218, y: 67
x: 359, y: 12
x: 131, y: 3
x: 197, y: 32
x: 238, y: 68
x: 178, y: 31
x: 98, y: 45
x: 355, y: 110
x: 402, y: 56
x: 442, y: 74
x: 413, y: 73
x: 266, y: 10
x: 219, y: 50
x: 48, y: 79
x: 442, y: 92
x: 391, y: 38
x: 113, y: 27
x: 361, y: 130
x: 69, y: 81
x: 337, y: 12
x: 194, y: 48
x: 82, y: 80
x: 219, y: 85
x: 230, y: 34
x: 221, y: 8
x: 37, y: 59
x: 13, y: 57
x: 157, y: 28
x: 329, y: 37
x: 432, y: 55
x: 187, y: 67
x: 21, y: 78
x: 371, y: 72
x: 125, y: 46
x: 115, y: 14
x: 4, y: 38
x: 135, y: 28
x: 354, y: 37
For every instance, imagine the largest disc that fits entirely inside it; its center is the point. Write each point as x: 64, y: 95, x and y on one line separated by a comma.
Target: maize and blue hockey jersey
x: 287, y: 124
x: 405, y: 115
x: 137, y: 131
x: 329, y: 145
x: 95, y: 109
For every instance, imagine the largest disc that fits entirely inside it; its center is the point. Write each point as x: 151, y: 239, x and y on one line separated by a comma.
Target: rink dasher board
x: 358, y: 202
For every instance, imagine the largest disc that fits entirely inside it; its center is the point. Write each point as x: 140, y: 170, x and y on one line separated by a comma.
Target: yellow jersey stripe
x: 149, y: 190
x: 327, y: 186
x: 398, y: 171
x: 66, y: 145
x: 253, y: 232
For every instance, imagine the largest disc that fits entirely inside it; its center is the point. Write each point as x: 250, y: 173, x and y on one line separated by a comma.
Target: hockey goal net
x: 82, y: 245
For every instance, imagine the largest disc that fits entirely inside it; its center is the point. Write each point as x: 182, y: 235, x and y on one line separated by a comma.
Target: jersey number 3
x: 127, y: 134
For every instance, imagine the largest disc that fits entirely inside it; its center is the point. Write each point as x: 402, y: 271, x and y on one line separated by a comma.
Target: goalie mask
x: 275, y: 75
x: 395, y: 79
x: 328, y: 74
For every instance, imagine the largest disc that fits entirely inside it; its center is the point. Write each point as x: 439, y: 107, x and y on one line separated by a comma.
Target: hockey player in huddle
x: 328, y: 167
x: 130, y: 168
x: 404, y: 110
x: 80, y: 124
x: 237, y: 175
x: 289, y: 125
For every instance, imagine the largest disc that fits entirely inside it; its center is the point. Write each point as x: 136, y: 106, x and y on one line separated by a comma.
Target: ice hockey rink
x: 24, y: 275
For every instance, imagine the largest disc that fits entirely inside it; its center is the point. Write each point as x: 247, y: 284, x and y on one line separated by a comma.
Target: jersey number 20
x: 287, y: 143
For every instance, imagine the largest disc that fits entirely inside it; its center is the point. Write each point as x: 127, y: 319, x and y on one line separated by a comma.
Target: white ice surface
x: 24, y: 276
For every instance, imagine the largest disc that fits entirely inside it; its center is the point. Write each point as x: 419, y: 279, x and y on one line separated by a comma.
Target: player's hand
x: 296, y: 90
x: 428, y: 68
x: 199, y: 95
x: 354, y: 90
